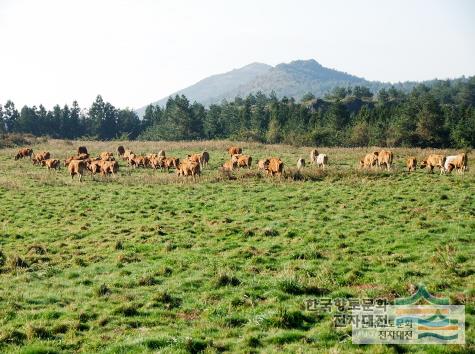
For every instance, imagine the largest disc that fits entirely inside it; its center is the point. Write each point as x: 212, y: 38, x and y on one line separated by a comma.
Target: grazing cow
x: 261, y: 164
x: 449, y: 161
x: 411, y: 163
x: 235, y: 157
x: 458, y: 162
x: 161, y: 153
x: 461, y: 163
x: 434, y: 160
x: 82, y: 150
x: 195, y: 158
x: 369, y: 160
x: 170, y: 162
x: 300, y: 163
x: 274, y: 166
x: 244, y: 161
x: 138, y: 161
x: 109, y: 167
x: 313, y: 156
x: 229, y: 165
x: 77, y: 167
x: 156, y: 162
x: 52, y: 164
x: 40, y: 157
x: 127, y: 155
x: 234, y: 150
x: 188, y: 168
x: 205, y: 158
x: 322, y: 160
x: 385, y: 158
x: 106, y: 156
x: 120, y: 151
x: 78, y: 157
x: 24, y: 152
x: 94, y: 166
x: 68, y: 160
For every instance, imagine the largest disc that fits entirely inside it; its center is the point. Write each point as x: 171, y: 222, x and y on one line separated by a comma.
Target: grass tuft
x: 103, y: 290
x: 11, y: 336
x: 127, y: 310
x: 34, y: 331
x: 224, y: 279
x: 3, y: 258
x: 166, y: 300
x: 16, y: 262
x: 148, y: 280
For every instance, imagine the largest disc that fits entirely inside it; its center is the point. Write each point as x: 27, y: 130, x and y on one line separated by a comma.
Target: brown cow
x: 120, y: 150
x: 205, y: 158
x: 138, y: 161
x: 261, y: 164
x: 127, y: 155
x: 458, y: 162
x: 78, y: 157
x: 24, y: 152
x: 106, y: 156
x: 156, y: 161
x: 229, y: 165
x: 82, y: 150
x: 411, y: 163
x: 52, y: 164
x: 40, y: 157
x: 385, y: 158
x: 234, y: 150
x: 94, y: 165
x: 369, y: 160
x: 244, y: 161
x: 235, y: 157
x: 461, y: 163
x: 188, y: 168
x: 171, y: 162
x: 434, y: 160
x: 77, y: 167
x: 274, y: 166
x: 109, y: 167
x: 195, y: 158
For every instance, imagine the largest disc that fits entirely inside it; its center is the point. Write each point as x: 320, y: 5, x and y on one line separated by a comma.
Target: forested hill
x: 440, y: 115
x: 294, y: 80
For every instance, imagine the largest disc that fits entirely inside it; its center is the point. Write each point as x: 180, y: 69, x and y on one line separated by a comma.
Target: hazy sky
x: 137, y: 51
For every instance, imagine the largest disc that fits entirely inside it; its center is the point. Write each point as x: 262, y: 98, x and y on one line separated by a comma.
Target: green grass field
x: 148, y: 262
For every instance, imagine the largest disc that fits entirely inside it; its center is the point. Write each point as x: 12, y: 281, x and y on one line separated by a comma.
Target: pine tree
x: 10, y: 116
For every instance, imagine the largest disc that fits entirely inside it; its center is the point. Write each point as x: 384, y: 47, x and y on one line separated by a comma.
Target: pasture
x: 147, y: 261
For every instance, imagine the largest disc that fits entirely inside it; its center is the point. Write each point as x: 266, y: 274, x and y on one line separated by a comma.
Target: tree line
x: 440, y: 115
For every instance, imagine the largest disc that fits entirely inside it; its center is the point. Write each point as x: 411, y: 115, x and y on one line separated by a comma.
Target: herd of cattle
x: 192, y: 165
x: 384, y: 158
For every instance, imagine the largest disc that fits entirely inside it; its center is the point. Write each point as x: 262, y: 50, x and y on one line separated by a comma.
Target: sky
x: 134, y: 52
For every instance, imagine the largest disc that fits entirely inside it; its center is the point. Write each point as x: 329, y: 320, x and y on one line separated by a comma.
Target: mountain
x: 218, y: 87
x: 292, y: 80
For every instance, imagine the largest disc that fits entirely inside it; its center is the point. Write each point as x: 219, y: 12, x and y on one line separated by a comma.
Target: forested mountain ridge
x: 293, y: 79
x: 441, y: 114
